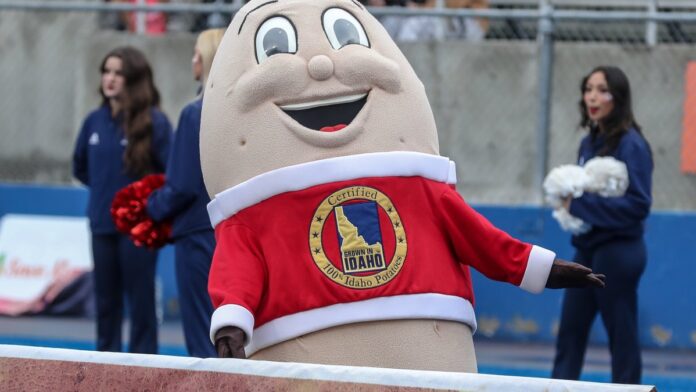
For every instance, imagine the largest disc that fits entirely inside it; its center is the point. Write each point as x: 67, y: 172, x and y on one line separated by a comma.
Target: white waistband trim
x: 305, y: 175
x: 413, y: 306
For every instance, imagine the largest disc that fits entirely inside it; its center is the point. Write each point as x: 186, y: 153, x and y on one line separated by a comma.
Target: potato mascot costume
x: 341, y: 238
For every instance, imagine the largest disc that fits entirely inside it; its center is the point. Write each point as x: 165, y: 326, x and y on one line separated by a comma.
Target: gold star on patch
x: 319, y: 219
x: 401, y: 240
x: 315, y: 235
x: 390, y: 210
x: 397, y: 224
x: 316, y: 251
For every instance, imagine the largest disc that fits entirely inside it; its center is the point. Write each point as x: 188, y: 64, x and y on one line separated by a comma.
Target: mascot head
x: 295, y: 81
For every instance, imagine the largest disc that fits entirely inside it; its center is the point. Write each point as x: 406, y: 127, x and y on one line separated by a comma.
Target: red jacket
x: 324, y: 243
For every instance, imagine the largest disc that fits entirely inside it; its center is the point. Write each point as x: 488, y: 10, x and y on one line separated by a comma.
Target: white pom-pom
x: 607, y: 176
x: 569, y: 222
x: 563, y: 181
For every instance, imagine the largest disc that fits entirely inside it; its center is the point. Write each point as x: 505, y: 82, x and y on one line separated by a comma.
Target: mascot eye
x: 276, y: 35
x: 343, y: 29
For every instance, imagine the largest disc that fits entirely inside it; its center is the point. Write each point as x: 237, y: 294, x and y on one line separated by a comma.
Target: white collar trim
x: 305, y: 175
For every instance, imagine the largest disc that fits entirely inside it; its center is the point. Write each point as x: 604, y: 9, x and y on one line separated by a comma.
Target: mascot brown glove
x: 566, y: 274
x: 229, y: 343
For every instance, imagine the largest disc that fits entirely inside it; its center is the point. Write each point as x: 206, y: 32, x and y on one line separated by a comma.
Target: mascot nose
x: 320, y: 67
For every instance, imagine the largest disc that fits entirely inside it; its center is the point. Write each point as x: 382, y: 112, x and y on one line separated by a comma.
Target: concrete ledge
x: 37, y: 369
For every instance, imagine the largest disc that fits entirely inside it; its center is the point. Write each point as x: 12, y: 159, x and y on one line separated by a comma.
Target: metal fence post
x: 651, y: 25
x: 545, y: 45
x: 216, y: 20
x: 140, y: 22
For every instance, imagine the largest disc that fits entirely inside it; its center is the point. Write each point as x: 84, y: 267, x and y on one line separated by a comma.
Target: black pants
x: 121, y: 268
x: 193, y: 254
x: 623, y: 263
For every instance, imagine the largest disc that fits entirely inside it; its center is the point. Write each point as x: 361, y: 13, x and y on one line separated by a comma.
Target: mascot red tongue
x: 343, y: 244
x: 334, y: 128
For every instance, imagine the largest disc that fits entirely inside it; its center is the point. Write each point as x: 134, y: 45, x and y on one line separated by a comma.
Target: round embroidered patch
x: 357, y: 238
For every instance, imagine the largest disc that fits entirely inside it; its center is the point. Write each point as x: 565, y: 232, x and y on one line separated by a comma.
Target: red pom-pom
x: 129, y: 213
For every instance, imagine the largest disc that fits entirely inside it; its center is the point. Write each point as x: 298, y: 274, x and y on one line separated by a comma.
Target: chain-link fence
x: 506, y: 101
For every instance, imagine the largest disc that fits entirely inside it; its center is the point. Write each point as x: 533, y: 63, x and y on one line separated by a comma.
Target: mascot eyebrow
x: 358, y: 4
x: 245, y: 16
x: 275, y: 1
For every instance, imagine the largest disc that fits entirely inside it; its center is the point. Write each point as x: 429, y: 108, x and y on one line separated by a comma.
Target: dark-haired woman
x: 614, y: 246
x: 124, y: 139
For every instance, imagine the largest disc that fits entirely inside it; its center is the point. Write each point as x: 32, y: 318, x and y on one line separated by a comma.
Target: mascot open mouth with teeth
x: 341, y: 238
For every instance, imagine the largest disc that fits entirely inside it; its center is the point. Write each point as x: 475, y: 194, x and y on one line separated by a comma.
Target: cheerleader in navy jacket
x: 614, y: 244
x: 183, y: 198
x: 124, y: 139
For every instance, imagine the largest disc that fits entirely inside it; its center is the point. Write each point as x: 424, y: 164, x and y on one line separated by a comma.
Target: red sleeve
x: 481, y: 245
x: 237, y: 277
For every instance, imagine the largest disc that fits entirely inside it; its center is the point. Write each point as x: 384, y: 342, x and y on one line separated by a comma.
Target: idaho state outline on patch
x: 357, y: 238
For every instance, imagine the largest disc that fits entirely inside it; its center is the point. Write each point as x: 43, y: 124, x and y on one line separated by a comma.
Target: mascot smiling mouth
x: 327, y: 115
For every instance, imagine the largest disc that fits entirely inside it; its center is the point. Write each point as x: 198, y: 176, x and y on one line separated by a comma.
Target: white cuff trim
x: 305, y: 175
x: 412, y: 306
x: 452, y: 177
x: 538, y: 269
x: 232, y: 316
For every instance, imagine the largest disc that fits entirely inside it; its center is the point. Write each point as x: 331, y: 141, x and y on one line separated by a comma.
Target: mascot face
x: 295, y: 81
